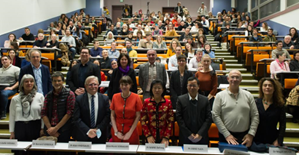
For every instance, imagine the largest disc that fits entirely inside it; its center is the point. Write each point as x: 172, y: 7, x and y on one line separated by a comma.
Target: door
x: 116, y: 12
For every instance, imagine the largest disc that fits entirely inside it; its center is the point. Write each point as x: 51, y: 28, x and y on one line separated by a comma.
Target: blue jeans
x: 73, y: 50
x: 4, y: 94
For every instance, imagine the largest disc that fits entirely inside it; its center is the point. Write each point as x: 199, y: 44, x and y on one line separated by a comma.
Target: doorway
x: 117, y: 11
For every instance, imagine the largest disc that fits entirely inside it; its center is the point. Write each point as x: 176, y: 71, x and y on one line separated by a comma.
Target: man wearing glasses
x: 81, y: 71
x: 193, y: 114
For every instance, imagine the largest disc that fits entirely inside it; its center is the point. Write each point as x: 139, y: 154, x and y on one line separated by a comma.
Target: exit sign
x: 121, y: 1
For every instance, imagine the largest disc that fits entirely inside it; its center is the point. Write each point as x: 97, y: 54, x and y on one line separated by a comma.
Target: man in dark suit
x: 193, y: 115
x: 151, y: 71
x: 91, y: 114
x: 39, y: 71
x: 82, y: 70
x: 179, y: 9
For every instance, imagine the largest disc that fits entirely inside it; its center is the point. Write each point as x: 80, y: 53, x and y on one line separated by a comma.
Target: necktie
x: 92, y: 120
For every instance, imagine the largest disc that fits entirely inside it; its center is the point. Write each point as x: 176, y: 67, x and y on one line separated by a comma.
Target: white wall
x: 16, y: 14
x: 288, y: 19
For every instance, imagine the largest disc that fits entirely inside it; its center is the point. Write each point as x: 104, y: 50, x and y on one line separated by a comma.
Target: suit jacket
x: 46, y: 79
x: 73, y: 79
x: 81, y: 118
x: 114, y: 82
x: 185, y: 120
x: 176, y: 9
x: 175, y: 86
x: 144, y: 72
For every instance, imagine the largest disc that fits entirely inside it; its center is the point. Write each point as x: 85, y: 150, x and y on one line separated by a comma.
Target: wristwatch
x: 115, y: 133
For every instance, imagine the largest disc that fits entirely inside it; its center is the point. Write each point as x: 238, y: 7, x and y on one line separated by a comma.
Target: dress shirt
x: 152, y: 75
x: 173, y: 61
x: 38, y: 78
x: 96, y: 105
x: 96, y: 52
x: 114, y: 53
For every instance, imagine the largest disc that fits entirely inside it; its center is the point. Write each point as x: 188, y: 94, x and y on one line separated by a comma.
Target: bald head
x: 235, y: 72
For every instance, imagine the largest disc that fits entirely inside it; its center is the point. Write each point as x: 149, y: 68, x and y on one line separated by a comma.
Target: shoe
x: 3, y: 115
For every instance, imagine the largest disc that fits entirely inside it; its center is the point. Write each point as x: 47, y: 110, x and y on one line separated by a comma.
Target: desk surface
x: 58, y: 147
x: 101, y: 148
x: 20, y: 146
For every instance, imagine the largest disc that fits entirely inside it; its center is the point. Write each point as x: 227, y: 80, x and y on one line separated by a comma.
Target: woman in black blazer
x: 15, y: 60
x: 178, y: 80
x: 123, y: 62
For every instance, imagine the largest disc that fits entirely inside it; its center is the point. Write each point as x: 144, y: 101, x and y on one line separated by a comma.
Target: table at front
x: 20, y: 146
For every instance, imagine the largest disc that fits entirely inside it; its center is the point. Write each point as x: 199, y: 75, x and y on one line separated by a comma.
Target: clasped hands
x: 194, y: 138
x: 247, y: 140
x: 124, y: 137
x: 52, y: 131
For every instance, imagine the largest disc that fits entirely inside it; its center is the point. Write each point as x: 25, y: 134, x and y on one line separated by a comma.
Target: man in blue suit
x: 39, y: 71
x: 91, y: 114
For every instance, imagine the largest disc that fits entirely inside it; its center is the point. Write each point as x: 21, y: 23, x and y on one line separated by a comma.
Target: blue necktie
x: 92, y: 120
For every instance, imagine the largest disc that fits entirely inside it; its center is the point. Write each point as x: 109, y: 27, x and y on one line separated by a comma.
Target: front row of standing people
x: 239, y: 118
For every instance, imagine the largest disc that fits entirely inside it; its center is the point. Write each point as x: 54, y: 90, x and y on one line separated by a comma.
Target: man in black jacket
x: 193, y: 114
x: 179, y: 9
x: 82, y: 70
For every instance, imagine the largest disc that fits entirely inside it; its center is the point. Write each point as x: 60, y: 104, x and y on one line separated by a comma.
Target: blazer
x: 46, y: 79
x: 294, y: 65
x: 73, y: 78
x: 175, y: 86
x: 144, y: 72
x: 183, y: 117
x: 81, y: 118
x: 114, y: 82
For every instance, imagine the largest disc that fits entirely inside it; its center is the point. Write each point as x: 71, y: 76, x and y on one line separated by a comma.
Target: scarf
x: 26, y: 101
x: 124, y: 71
x: 281, y: 65
x: 129, y: 49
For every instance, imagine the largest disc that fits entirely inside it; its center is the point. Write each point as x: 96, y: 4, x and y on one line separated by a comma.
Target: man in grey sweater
x: 235, y: 113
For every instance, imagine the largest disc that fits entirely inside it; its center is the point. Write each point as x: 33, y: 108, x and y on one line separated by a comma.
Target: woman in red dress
x: 157, y: 115
x: 125, y: 113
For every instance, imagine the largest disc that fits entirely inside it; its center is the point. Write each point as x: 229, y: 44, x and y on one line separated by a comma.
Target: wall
x: 219, y: 5
x: 93, y: 7
x: 156, y: 5
x: 34, y: 14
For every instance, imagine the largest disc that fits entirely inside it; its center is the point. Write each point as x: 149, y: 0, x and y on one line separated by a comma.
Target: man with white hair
x: 235, y: 113
x: 139, y: 28
x: 40, y: 42
x: 287, y: 43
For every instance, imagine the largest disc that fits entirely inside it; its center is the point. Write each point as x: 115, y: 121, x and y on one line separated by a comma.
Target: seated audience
x: 270, y: 105
x: 27, y: 35
x: 195, y: 28
x: 182, y: 26
x: 113, y: 66
x: 201, y: 41
x: 96, y: 50
x: 205, y: 24
x: 278, y: 49
x: 159, y: 43
x: 113, y: 30
x: 178, y: 80
x: 264, y: 27
x: 157, y: 31
x: 170, y: 31
x: 189, y: 52
x: 193, y: 63
x: 171, y: 49
x: 255, y: 37
x: 130, y: 50
x: 173, y: 63
x: 9, y: 75
x: 11, y: 38
x: 40, y: 42
x: 193, y: 114
x: 105, y: 62
x: 15, y: 60
x: 71, y: 42
x: 125, y: 103
x: 113, y: 52
x: 26, y: 61
x: 294, y: 64
x: 139, y: 28
x: 279, y: 65
x: 186, y: 35
x: 109, y: 39
x: 124, y: 30
x: 293, y: 33
x: 270, y: 36
x: 146, y: 43
x: 53, y: 43
x: 287, y: 42
x: 123, y: 63
x: 157, y: 109
x: 207, y: 50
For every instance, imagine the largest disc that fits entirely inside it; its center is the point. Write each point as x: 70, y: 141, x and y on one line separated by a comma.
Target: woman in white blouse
x: 25, y: 122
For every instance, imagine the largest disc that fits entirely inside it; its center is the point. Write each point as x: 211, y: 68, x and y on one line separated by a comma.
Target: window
x: 270, y: 8
x: 253, y: 3
x: 262, y: 1
x: 241, y: 5
x: 291, y: 2
x: 254, y: 15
